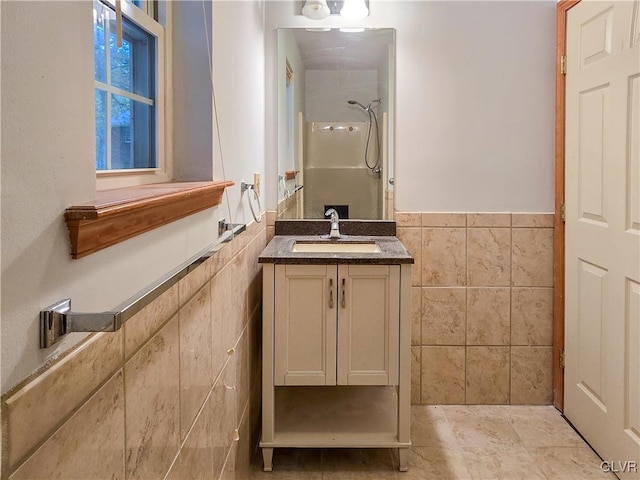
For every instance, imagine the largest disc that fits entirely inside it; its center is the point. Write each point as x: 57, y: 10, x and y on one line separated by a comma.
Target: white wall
x: 191, y: 79
x: 290, y: 52
x: 238, y: 52
x: 329, y: 90
x: 47, y: 164
x: 474, y: 101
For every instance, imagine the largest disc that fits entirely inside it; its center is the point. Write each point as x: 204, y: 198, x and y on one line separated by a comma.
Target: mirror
x: 335, y: 122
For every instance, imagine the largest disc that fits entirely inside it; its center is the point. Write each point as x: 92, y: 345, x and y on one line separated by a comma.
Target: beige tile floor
x: 456, y: 442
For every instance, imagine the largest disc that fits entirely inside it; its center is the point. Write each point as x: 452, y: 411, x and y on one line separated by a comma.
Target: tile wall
x: 162, y: 397
x: 482, y: 307
x: 291, y: 208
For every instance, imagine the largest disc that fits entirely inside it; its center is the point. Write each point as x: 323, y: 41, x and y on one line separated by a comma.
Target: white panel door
x: 602, y: 266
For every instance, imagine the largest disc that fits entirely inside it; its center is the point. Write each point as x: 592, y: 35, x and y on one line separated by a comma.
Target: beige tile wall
x: 482, y: 307
x: 159, y: 398
x: 291, y: 208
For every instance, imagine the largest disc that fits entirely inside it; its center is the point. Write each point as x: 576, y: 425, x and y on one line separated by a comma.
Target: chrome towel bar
x: 57, y: 319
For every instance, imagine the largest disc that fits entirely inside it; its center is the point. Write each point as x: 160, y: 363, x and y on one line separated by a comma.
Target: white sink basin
x: 330, y: 247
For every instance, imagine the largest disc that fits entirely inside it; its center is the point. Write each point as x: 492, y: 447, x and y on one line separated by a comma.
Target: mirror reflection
x: 335, y: 122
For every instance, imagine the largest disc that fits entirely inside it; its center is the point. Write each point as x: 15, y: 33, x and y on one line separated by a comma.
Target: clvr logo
x: 629, y: 466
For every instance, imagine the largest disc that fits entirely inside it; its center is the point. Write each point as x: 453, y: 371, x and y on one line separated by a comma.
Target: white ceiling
x: 335, y: 50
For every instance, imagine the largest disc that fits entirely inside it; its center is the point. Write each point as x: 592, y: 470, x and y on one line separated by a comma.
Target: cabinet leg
x: 403, y: 459
x: 267, y: 459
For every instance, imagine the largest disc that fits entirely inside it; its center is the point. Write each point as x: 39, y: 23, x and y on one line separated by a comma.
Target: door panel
x: 305, y: 325
x: 594, y: 106
x: 632, y: 361
x: 368, y: 329
x: 633, y: 164
x: 602, y: 238
x: 591, y: 287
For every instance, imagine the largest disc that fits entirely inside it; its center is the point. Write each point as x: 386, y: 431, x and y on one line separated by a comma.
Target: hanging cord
x: 248, y: 186
x: 375, y: 168
x: 215, y: 109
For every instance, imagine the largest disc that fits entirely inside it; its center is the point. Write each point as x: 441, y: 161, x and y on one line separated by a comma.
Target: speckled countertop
x: 348, y: 227
x: 279, y: 250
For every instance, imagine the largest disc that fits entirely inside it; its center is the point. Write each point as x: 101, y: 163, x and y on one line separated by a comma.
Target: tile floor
x: 456, y: 442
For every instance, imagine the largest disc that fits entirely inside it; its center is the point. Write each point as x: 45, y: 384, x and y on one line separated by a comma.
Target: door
x: 368, y: 324
x: 602, y: 259
x: 305, y: 325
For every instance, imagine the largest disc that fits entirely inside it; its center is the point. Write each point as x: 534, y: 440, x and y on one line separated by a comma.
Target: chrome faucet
x: 335, y: 227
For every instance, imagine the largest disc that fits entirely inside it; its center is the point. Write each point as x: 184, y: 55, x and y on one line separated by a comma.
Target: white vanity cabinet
x: 336, y: 324
x: 336, y: 349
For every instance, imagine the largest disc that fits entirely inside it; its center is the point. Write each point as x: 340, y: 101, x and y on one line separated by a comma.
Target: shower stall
x: 338, y: 175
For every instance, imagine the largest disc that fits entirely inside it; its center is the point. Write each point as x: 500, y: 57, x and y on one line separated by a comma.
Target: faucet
x: 335, y: 230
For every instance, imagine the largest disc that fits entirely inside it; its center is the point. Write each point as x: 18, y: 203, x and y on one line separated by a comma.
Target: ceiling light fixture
x: 354, y: 9
x: 315, y: 9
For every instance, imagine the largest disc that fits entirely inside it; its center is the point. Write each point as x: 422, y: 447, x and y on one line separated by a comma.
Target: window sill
x: 119, y: 214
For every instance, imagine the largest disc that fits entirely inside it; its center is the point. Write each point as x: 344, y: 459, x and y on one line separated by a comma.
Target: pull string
x: 118, y: 23
x: 215, y: 107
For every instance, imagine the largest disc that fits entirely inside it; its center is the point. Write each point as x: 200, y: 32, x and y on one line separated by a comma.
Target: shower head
x: 368, y: 107
x: 353, y: 102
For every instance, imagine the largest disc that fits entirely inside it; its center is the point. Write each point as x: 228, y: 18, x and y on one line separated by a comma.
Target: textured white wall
x: 329, y: 90
x: 289, y: 52
x: 238, y: 52
x: 47, y: 165
x: 191, y: 80
x: 474, y: 101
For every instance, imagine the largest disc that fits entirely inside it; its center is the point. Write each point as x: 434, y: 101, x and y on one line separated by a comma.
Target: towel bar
x: 57, y: 319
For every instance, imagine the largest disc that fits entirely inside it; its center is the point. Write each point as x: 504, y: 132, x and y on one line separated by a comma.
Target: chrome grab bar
x: 57, y: 319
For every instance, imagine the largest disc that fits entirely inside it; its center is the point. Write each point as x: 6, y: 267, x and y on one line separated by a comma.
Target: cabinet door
x: 305, y: 325
x: 368, y: 324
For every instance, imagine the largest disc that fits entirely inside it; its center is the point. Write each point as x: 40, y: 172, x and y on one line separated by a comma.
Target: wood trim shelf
x: 119, y: 214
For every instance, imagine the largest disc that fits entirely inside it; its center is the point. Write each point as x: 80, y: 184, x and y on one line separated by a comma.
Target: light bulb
x: 316, y: 9
x: 354, y: 9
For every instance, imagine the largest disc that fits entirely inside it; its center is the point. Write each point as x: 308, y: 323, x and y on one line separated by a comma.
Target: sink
x: 337, y: 247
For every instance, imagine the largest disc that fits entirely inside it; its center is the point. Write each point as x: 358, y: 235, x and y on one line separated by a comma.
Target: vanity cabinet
x: 336, y: 340
x: 336, y: 324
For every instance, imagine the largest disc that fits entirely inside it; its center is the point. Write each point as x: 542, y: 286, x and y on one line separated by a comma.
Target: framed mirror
x: 336, y: 122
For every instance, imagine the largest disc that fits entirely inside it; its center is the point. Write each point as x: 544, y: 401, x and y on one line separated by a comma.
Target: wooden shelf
x: 290, y: 174
x: 336, y: 416
x: 119, y: 214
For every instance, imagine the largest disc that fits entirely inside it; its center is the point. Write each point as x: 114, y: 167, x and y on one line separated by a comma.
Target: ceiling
x: 336, y: 50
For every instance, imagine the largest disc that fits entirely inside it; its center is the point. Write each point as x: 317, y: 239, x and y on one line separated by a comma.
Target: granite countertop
x: 279, y: 251
x: 348, y: 227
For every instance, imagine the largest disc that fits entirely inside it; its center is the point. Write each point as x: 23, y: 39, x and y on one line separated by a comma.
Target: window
x: 128, y: 89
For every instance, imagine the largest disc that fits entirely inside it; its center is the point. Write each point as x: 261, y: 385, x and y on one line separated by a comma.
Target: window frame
x: 143, y: 17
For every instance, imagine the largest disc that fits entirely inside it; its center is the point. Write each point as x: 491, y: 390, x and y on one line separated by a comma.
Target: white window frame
x: 108, y: 179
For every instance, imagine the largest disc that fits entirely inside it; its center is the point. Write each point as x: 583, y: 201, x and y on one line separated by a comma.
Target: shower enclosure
x: 336, y: 174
